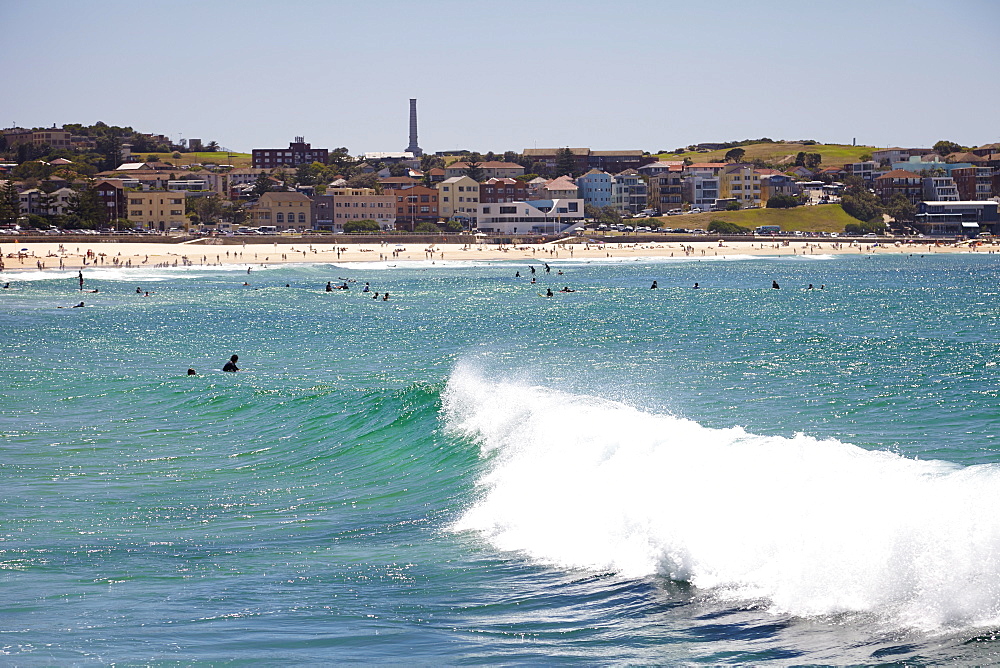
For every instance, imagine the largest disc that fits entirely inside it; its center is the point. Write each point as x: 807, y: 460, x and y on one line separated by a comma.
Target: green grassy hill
x: 218, y: 157
x: 822, y: 218
x: 783, y: 153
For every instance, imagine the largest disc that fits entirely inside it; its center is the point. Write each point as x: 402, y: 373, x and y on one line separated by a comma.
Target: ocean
x: 471, y: 472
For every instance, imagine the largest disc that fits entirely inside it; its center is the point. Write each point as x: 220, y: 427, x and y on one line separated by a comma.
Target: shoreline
x: 53, y: 255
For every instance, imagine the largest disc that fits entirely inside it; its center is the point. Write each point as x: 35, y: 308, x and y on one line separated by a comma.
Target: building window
x: 279, y: 217
x: 302, y: 217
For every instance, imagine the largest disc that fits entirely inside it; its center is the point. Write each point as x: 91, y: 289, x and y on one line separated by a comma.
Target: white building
x: 533, y: 217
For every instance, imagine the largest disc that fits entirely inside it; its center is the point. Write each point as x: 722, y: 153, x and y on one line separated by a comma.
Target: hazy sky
x: 649, y: 74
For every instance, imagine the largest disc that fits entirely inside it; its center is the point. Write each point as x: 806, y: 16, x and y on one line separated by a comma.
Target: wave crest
x: 813, y: 527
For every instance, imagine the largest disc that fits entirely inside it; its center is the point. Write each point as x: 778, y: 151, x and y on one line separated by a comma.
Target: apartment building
x: 742, y: 183
x: 283, y: 210
x: 415, y: 204
x: 156, y: 209
x: 899, y: 182
x: 459, y: 198
x: 629, y: 193
x: 594, y: 188
x: 297, y: 153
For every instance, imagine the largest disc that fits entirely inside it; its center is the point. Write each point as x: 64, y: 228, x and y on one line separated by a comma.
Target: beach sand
x: 49, y: 255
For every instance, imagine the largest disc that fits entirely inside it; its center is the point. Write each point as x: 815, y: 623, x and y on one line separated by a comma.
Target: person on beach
x: 231, y: 364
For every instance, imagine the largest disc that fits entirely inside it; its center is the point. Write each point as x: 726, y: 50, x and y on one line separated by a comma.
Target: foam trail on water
x: 813, y: 527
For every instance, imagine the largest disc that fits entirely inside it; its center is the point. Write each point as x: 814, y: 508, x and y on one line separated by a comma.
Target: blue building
x: 594, y: 188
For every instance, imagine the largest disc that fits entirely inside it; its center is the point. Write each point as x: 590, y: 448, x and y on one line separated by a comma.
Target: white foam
x: 813, y: 527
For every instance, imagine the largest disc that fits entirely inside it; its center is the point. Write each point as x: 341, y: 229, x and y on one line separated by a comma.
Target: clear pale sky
x: 649, y: 74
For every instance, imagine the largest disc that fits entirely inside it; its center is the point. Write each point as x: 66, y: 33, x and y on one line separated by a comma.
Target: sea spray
x: 811, y: 527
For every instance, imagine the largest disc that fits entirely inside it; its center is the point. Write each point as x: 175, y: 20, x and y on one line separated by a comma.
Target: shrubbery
x: 726, y: 227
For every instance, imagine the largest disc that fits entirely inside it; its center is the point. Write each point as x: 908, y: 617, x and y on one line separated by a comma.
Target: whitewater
x: 812, y: 527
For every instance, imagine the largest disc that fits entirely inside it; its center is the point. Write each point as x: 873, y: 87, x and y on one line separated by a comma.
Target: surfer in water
x: 548, y: 292
x: 654, y: 286
x: 774, y: 284
x: 231, y: 364
x: 329, y: 286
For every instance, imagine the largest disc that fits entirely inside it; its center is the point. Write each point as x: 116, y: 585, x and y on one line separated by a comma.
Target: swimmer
x: 696, y: 286
x: 192, y: 372
x: 231, y: 364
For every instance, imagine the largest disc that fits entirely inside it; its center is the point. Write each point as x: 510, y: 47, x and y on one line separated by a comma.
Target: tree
x: 262, y: 185
x: 85, y: 204
x: 208, y: 209
x: 304, y: 175
x: 865, y: 157
x: 475, y: 171
x: 369, y: 180
x: 565, y: 163
x: 212, y: 146
x: 813, y: 160
x: 860, y: 202
x: 366, y: 225
x: 733, y: 205
x: 429, y: 162
x: 944, y: 147
x: 783, y: 202
x: 735, y: 154
x: 800, y: 159
x: 10, y: 204
x: 398, y: 169
x: 901, y: 209
x: 453, y: 226
x: 726, y: 227
x: 427, y: 228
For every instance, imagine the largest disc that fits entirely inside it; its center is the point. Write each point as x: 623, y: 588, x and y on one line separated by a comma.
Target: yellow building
x: 157, y: 209
x: 291, y: 211
x: 459, y: 198
x: 742, y: 183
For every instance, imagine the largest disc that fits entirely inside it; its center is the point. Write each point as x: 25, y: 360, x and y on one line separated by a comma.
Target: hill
x: 822, y: 218
x: 780, y: 153
x: 218, y: 157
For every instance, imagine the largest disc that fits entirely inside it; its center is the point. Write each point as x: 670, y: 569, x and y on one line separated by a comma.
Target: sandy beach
x: 55, y: 255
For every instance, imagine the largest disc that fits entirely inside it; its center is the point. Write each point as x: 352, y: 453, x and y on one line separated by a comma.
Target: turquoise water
x: 471, y: 473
